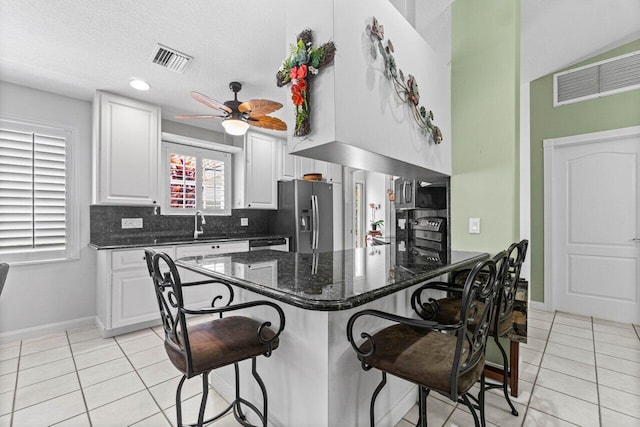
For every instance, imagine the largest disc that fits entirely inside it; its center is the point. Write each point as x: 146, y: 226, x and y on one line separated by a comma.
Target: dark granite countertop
x: 326, y: 281
x: 139, y: 241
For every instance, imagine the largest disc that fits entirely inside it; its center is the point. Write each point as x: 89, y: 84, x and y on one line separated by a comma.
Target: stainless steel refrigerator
x: 305, y: 212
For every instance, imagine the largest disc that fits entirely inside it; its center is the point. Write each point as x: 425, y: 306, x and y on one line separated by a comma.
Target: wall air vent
x: 615, y: 75
x: 170, y: 58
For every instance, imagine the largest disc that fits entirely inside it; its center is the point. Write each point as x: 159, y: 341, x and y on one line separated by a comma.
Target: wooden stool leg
x: 514, y: 353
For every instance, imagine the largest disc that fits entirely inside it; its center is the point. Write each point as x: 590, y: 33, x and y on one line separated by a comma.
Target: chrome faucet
x: 197, y: 230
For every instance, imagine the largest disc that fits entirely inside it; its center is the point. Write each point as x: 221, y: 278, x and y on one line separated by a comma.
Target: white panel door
x: 595, y: 223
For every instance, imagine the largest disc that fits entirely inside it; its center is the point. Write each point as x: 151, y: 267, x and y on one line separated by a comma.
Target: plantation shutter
x: 33, y: 190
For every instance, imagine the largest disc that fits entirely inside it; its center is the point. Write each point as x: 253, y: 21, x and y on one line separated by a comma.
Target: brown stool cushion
x: 220, y: 342
x: 421, y: 356
x: 449, y: 313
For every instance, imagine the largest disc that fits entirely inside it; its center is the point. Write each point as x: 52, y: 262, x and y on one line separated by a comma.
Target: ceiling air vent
x: 615, y: 75
x: 170, y: 58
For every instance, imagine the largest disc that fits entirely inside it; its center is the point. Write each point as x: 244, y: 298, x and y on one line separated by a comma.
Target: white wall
x: 353, y: 102
x: 376, y: 192
x: 43, y: 294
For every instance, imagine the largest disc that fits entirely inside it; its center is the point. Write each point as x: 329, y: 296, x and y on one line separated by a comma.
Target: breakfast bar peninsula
x: 314, y: 379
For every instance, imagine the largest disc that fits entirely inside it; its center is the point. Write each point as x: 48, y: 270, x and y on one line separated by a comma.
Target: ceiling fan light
x: 235, y: 126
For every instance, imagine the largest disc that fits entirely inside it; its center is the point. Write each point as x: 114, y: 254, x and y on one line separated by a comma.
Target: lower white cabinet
x: 264, y: 273
x: 126, y: 298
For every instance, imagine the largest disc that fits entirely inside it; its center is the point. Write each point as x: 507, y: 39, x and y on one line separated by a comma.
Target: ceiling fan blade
x: 259, y: 107
x: 210, y: 102
x: 267, y: 122
x: 201, y: 116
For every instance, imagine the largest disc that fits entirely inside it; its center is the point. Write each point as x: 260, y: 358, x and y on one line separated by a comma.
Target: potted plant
x: 376, y: 224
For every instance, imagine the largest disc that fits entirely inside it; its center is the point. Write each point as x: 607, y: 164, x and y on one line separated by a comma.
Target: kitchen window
x: 195, y: 179
x: 38, y: 217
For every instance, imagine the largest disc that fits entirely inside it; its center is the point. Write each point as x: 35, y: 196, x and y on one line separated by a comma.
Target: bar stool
x: 447, y: 358
x: 198, y: 348
x: 446, y: 310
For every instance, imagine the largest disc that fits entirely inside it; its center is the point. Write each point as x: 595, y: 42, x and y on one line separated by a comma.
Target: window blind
x: 33, y: 195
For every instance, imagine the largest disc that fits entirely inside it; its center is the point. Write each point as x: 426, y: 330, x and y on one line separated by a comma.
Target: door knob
x: 635, y: 239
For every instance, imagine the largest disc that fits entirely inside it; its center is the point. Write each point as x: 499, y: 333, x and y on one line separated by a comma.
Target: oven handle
x: 407, y: 194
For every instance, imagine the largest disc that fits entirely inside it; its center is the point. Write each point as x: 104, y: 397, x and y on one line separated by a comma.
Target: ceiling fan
x: 238, y: 116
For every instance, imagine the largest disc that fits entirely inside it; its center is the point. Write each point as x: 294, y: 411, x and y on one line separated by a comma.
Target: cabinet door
x: 261, y: 190
x: 288, y: 163
x: 127, y: 142
x: 334, y: 173
x: 201, y: 296
x: 133, y: 298
x: 307, y: 165
x: 262, y: 273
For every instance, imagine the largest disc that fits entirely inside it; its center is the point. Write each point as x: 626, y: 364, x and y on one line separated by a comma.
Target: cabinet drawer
x: 134, y: 258
x: 212, y: 248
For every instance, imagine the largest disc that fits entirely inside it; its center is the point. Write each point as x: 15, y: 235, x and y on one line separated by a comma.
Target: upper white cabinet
x: 126, y: 154
x: 331, y: 172
x: 256, y: 174
x: 289, y: 164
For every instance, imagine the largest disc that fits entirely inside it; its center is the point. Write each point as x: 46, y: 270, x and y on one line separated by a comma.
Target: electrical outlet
x: 131, y: 222
x: 244, y: 222
x: 474, y: 225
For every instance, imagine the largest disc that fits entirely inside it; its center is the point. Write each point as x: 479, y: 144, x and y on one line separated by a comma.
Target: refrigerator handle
x: 314, y: 216
x: 317, y: 223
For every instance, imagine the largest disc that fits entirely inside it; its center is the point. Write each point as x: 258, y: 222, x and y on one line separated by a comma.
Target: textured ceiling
x: 74, y: 47
x: 558, y: 33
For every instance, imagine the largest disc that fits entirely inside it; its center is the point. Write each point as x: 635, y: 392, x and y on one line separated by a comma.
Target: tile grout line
x: 535, y: 380
x: 15, y: 388
x: 144, y: 383
x: 75, y: 367
x: 595, y: 362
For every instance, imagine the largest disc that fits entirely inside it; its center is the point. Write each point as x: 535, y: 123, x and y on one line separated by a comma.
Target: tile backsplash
x: 106, y: 222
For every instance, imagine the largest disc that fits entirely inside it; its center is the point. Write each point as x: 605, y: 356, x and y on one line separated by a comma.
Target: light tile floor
x: 574, y: 371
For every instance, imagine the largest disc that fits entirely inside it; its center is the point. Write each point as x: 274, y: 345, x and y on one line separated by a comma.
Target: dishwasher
x: 273, y: 243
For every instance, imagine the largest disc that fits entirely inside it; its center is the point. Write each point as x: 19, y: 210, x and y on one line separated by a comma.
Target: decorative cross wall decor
x: 298, y: 69
x: 406, y: 89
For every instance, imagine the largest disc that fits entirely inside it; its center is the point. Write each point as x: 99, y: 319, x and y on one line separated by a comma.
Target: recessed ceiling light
x: 139, y: 84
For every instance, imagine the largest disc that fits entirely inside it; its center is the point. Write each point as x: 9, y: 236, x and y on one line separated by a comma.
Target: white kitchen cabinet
x: 126, y: 299
x: 331, y: 172
x: 201, y: 296
x: 126, y: 155
x: 256, y: 173
x: 263, y: 273
x: 289, y: 163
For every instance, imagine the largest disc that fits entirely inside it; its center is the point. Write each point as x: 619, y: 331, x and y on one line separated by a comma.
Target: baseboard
x: 223, y: 388
x: 400, y: 409
x: 228, y: 393
x: 48, y: 329
x: 540, y: 306
x: 106, y: 333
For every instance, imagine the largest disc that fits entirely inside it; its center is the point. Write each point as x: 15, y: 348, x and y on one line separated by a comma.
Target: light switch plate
x: 474, y: 225
x: 131, y: 222
x: 244, y: 222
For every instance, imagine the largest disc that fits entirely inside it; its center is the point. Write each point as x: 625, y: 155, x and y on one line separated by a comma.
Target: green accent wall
x: 485, y: 87
x: 600, y: 114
